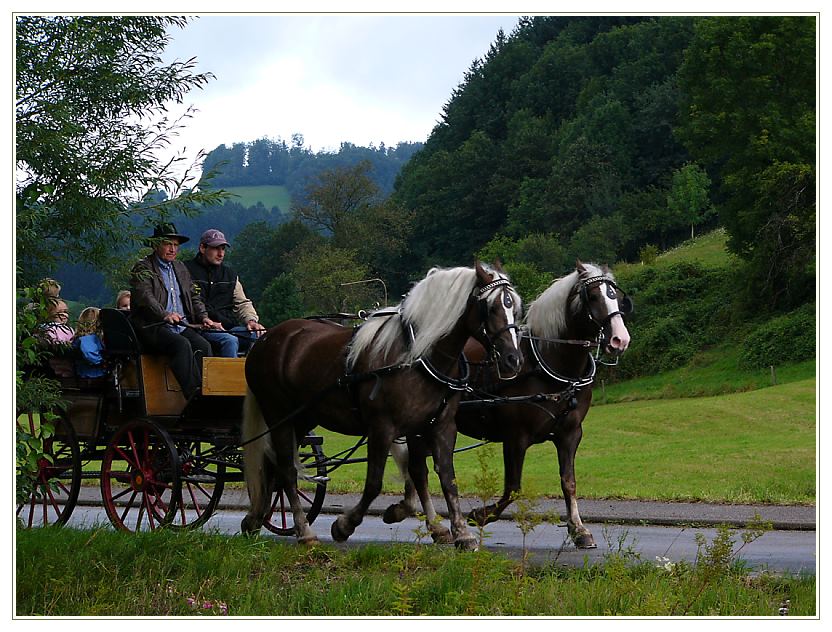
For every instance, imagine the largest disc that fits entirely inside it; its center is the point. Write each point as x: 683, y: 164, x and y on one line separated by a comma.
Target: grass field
x: 755, y: 447
x: 708, y: 249
x: 269, y: 195
x: 710, y: 372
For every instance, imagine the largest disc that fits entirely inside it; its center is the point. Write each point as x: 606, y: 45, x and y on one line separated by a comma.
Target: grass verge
x: 103, y: 573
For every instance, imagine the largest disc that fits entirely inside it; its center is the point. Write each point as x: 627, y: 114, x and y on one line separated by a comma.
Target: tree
x: 91, y: 103
x: 91, y: 114
x: 261, y: 253
x: 688, y: 199
x: 335, y: 198
x: 326, y: 277
x: 749, y: 114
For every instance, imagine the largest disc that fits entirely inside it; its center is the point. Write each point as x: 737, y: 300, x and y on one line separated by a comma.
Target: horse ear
x: 605, y: 269
x: 482, y: 275
x: 498, y: 265
x: 579, y: 266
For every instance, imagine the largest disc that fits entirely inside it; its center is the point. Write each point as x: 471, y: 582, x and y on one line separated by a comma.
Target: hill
x: 692, y: 336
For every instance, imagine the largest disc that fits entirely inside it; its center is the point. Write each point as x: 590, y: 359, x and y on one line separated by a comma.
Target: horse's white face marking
x: 508, y: 306
x: 619, y: 336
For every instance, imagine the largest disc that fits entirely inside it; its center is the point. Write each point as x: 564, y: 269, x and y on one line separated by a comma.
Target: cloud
x: 333, y: 78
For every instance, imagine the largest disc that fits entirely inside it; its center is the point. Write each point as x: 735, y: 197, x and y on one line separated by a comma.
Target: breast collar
x: 580, y: 382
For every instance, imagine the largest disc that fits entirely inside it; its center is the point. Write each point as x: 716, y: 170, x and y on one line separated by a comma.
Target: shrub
x: 680, y: 309
x: 648, y: 254
x: 787, y: 338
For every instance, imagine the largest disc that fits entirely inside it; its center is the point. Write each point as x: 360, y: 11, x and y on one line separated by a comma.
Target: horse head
x: 497, y: 308
x: 605, y: 304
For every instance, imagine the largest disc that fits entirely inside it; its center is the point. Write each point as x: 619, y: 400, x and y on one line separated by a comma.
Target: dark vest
x: 216, y: 288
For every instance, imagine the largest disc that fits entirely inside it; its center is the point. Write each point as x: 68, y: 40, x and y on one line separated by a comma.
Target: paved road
x: 649, y: 530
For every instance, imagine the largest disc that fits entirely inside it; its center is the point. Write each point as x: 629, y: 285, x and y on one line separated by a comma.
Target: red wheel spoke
x: 282, y: 509
x: 303, y: 495
x: 146, y: 507
x: 194, y: 500
x: 124, y: 455
x: 129, y: 504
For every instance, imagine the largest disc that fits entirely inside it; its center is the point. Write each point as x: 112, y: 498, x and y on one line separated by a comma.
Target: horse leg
x: 419, y: 475
x: 406, y: 507
x: 287, y: 461
x: 378, y: 446
x: 514, y: 455
x: 444, y: 440
x: 567, y: 447
x: 258, y: 465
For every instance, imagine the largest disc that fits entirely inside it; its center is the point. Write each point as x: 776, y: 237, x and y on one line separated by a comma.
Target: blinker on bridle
x: 612, y: 292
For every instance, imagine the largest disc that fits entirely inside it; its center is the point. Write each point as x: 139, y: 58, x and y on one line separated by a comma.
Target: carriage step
x: 312, y: 440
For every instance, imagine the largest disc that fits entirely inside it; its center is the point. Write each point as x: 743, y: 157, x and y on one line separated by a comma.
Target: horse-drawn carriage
x: 160, y: 460
x: 165, y: 461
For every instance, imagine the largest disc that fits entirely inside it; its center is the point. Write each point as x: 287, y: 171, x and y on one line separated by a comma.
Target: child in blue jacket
x: 90, y: 360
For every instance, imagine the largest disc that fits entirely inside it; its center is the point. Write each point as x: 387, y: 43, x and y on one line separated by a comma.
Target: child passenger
x: 90, y: 361
x: 57, y: 330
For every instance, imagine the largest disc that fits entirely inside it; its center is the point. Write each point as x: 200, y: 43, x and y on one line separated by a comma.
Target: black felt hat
x: 167, y: 231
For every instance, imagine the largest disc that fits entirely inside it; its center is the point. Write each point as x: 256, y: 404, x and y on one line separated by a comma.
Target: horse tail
x: 258, y: 454
x: 399, y: 452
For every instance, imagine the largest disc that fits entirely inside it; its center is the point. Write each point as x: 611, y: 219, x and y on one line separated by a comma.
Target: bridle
x: 612, y: 292
x: 489, y: 341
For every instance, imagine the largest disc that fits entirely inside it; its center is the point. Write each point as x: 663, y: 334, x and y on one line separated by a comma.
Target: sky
x: 360, y: 78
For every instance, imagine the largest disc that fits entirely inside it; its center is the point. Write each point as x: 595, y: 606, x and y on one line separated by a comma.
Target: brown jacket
x: 149, y: 295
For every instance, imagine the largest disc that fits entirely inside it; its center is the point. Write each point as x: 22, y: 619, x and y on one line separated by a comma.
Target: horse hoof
x: 395, y: 513
x: 339, y: 533
x: 584, y: 540
x: 441, y: 535
x: 309, y: 540
x: 467, y: 544
x: 248, y: 528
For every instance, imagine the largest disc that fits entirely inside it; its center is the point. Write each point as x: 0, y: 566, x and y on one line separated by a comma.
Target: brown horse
x: 580, y: 311
x: 398, y: 375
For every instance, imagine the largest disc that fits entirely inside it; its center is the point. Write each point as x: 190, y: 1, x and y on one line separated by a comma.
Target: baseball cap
x: 213, y: 237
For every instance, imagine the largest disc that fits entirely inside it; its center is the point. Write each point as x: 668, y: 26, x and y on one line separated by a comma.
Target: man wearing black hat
x: 164, y: 303
x: 221, y: 291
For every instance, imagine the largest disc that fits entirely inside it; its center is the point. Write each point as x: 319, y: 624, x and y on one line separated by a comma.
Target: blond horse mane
x: 432, y: 307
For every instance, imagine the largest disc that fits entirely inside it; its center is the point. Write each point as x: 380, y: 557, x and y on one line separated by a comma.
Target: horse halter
x: 481, y: 296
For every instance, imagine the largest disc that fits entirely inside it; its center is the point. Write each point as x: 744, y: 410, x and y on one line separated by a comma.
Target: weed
x: 486, y: 486
x: 528, y: 518
x: 717, y: 560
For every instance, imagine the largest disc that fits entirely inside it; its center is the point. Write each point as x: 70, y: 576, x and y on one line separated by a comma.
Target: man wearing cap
x: 220, y: 288
x: 165, y: 307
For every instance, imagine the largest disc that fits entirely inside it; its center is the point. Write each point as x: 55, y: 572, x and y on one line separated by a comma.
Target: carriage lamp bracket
x: 364, y: 281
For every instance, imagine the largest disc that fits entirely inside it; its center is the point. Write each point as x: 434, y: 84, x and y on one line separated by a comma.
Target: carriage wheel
x: 58, y: 479
x: 203, y: 480
x: 140, y: 482
x: 279, y: 519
